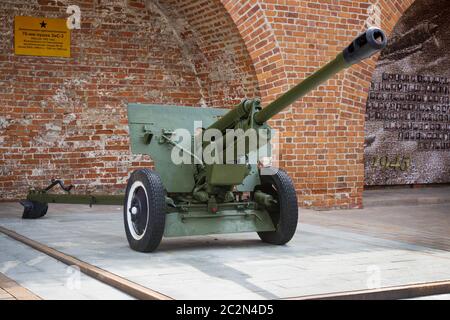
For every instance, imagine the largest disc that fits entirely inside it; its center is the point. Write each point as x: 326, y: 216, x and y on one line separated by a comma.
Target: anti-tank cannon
x: 203, y: 182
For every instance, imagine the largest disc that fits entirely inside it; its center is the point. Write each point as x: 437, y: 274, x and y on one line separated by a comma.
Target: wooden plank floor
x: 11, y: 290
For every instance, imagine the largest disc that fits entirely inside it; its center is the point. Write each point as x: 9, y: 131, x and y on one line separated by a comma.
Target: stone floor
x: 414, y: 215
x: 336, y: 251
x: 48, y: 278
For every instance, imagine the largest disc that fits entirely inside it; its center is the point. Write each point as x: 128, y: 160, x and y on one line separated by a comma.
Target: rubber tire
x: 156, y: 211
x: 285, y: 217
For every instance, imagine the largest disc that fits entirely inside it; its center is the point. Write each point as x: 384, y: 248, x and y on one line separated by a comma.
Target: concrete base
x: 319, y: 259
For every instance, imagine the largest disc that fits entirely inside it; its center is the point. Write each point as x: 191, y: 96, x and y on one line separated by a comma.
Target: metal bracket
x: 60, y: 183
x: 166, y: 137
x: 148, y: 134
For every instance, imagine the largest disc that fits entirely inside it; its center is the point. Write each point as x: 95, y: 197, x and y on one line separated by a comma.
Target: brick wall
x: 66, y: 118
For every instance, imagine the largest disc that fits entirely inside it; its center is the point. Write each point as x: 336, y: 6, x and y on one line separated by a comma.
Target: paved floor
x: 406, y: 196
x: 326, y: 255
x: 417, y: 216
x: 47, y: 277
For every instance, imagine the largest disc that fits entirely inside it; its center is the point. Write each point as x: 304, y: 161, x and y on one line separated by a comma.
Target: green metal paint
x: 226, y: 174
x: 144, y: 119
x: 76, y: 198
x: 226, y: 221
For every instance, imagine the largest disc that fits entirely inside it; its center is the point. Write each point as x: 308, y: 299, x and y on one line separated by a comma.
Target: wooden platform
x: 11, y: 290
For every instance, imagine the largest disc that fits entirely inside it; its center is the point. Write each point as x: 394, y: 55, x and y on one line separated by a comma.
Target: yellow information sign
x: 43, y: 37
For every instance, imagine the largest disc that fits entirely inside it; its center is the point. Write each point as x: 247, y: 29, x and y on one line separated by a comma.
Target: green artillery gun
x: 203, y: 182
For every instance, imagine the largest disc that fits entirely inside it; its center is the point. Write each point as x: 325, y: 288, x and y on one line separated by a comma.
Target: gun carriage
x: 198, y: 197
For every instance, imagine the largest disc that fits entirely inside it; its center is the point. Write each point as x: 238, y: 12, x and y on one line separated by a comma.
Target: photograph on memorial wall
x: 407, y: 130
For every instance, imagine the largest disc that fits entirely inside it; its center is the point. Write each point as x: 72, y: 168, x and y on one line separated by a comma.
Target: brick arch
x: 236, y: 49
x: 354, y: 94
x: 321, y: 136
x: 215, y: 48
x: 262, y: 44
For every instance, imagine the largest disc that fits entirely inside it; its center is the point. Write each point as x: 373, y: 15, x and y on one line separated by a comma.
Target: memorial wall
x: 407, y: 131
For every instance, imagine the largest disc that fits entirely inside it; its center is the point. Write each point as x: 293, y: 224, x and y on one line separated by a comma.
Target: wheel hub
x: 138, y: 211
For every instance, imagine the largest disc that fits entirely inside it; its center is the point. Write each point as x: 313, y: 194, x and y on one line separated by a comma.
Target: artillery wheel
x: 33, y: 209
x: 144, y: 210
x: 285, y: 213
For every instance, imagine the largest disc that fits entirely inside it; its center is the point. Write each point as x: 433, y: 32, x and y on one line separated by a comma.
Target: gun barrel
x: 364, y: 46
